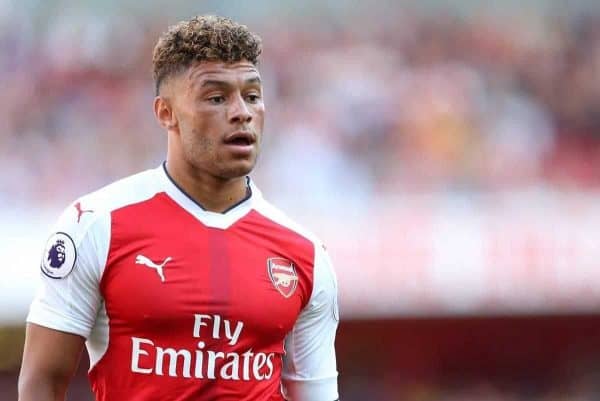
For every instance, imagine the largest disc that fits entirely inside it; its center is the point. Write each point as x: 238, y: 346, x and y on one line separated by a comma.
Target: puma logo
x: 81, y: 211
x: 142, y: 260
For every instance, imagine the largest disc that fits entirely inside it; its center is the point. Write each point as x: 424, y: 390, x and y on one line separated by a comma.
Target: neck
x: 211, y: 193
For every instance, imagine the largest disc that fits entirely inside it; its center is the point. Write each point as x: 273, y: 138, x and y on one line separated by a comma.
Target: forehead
x: 231, y: 73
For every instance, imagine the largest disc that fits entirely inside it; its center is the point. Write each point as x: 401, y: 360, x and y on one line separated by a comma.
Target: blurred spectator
x: 426, y: 103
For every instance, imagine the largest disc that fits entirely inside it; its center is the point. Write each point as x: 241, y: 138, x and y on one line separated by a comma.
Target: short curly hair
x: 202, y: 38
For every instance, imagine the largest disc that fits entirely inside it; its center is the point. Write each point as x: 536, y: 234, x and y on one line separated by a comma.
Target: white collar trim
x: 208, y: 218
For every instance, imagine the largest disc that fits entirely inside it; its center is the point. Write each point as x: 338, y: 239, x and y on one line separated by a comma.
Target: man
x: 183, y: 282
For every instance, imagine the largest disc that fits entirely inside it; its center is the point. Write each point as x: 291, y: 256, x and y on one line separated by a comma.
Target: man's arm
x: 64, y: 310
x: 50, y: 359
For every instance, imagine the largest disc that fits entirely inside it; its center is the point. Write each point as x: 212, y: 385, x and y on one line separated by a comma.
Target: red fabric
x: 219, y: 274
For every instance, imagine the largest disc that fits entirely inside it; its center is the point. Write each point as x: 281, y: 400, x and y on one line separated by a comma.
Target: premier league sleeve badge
x: 59, y: 256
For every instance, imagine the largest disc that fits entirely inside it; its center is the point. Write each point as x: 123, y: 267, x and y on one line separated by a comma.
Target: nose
x: 239, y: 112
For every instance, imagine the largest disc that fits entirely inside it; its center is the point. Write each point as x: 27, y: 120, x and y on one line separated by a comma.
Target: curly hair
x: 202, y: 38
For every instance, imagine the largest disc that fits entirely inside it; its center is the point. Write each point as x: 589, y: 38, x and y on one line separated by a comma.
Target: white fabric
x: 71, y: 303
x: 309, y: 371
x: 97, y: 342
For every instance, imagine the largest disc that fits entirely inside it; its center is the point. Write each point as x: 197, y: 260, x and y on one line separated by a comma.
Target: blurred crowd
x: 409, y: 102
x: 587, y: 390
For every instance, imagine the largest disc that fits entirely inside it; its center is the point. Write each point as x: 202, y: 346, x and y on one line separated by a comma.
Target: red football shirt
x: 179, y: 303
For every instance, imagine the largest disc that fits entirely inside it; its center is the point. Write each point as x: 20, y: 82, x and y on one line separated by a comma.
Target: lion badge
x: 59, y: 256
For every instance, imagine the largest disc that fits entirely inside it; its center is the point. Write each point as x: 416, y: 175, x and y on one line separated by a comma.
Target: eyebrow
x: 254, y: 80
x: 216, y: 82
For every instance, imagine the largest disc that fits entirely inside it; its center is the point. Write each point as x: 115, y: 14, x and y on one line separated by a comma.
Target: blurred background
x: 447, y: 152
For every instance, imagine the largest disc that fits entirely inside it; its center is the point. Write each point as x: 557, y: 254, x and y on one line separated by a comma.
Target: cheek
x: 260, y: 112
x: 198, y: 143
x: 259, y: 119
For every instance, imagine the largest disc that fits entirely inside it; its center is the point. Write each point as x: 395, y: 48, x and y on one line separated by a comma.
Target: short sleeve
x: 72, y: 261
x: 309, y: 365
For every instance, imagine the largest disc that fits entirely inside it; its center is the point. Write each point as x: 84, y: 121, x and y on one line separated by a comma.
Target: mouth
x: 240, y: 138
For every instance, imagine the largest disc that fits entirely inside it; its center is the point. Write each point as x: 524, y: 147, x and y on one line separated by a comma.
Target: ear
x: 163, y: 111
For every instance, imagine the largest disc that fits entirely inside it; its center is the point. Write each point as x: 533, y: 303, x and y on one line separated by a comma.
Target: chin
x: 238, y: 170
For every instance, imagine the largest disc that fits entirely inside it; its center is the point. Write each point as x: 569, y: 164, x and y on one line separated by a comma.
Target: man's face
x: 220, y: 115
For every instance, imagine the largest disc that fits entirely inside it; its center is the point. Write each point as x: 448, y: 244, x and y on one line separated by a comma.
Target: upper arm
x: 50, y: 359
x: 69, y: 297
x: 65, y: 307
x: 309, y: 364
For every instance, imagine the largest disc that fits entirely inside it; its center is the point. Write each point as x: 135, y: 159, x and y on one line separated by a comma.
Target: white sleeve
x: 73, y: 259
x: 309, y: 365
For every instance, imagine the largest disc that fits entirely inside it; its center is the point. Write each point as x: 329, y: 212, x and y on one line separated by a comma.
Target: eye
x: 252, y: 98
x: 216, y: 99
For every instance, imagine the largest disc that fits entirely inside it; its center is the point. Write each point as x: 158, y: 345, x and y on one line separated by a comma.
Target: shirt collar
x: 208, y: 218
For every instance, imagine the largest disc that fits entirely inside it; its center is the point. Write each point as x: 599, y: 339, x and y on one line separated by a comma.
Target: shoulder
x: 323, y: 268
x: 83, y: 227
x: 278, y: 217
x: 129, y: 190
x: 323, y: 281
x: 93, y: 209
